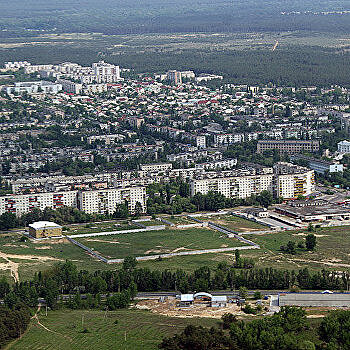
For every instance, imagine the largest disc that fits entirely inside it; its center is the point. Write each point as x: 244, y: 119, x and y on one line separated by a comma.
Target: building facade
x: 288, y: 146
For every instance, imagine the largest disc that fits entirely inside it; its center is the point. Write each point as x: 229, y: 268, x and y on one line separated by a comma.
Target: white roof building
x: 43, y: 224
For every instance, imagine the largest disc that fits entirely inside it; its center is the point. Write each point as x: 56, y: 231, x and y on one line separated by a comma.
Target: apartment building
x: 292, y: 181
x: 286, y: 180
x: 70, y: 86
x: 33, y: 87
x: 288, y: 146
x: 102, y: 200
x: 22, y: 204
x: 105, y: 201
x: 344, y: 146
x: 156, y: 167
x: 174, y: 77
x: 234, y: 186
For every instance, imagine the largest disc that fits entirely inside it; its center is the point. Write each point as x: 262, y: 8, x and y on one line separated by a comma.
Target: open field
x: 136, y: 329
x: 179, y: 220
x: 234, y: 223
x: 100, y: 227
x: 159, y: 242
x: 332, y: 251
x: 23, y: 259
x: 150, y: 223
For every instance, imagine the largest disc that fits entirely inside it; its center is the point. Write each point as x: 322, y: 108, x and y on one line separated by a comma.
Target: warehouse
x: 310, y: 211
x: 45, y: 229
x: 325, y: 299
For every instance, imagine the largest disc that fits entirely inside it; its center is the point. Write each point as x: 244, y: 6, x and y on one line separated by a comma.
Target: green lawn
x: 235, y: 223
x: 159, y: 242
x: 136, y: 330
x: 150, y: 223
x: 100, y: 227
x: 179, y: 220
x: 33, y: 256
x: 332, y: 250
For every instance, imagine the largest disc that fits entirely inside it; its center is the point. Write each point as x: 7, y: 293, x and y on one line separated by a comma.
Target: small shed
x: 44, y: 229
x: 186, y: 300
x: 219, y: 301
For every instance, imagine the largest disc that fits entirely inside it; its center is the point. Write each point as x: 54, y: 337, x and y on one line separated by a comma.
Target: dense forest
x: 132, y: 16
x: 291, y: 65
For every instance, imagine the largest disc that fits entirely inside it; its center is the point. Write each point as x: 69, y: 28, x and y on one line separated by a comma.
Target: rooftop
x: 43, y: 224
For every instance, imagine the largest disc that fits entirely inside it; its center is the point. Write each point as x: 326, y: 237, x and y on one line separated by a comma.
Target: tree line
x: 286, y: 330
x: 122, y: 284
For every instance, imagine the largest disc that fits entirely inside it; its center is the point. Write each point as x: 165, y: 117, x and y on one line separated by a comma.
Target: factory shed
x: 219, y: 301
x: 314, y: 299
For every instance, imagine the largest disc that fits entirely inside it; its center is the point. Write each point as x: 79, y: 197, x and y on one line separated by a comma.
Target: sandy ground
x: 169, y: 308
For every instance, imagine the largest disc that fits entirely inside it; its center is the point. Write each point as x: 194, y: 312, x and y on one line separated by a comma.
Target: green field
x: 30, y: 257
x: 332, y: 250
x: 150, y: 223
x: 234, y: 223
x: 158, y: 242
x: 135, y: 330
x: 100, y: 227
x: 179, y: 220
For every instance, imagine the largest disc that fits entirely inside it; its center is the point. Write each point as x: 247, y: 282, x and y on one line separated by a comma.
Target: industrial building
x: 325, y: 299
x: 218, y: 301
x: 45, y: 229
x: 314, y: 211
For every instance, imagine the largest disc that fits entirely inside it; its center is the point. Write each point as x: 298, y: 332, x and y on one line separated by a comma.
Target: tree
x: 129, y: 263
x: 138, y: 209
x: 310, y: 242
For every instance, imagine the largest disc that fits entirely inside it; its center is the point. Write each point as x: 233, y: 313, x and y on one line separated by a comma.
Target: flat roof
x: 314, y: 210
x: 44, y: 224
x: 186, y: 297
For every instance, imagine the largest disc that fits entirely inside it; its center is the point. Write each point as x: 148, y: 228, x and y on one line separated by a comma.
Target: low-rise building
x: 45, y: 229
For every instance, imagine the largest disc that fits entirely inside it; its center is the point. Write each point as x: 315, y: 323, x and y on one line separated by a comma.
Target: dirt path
x: 36, y: 318
x: 13, y: 266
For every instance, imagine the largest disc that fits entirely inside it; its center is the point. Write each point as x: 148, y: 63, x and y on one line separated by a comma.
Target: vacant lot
x: 332, y: 250
x: 135, y: 329
x: 234, y: 223
x: 20, y: 260
x: 179, y: 220
x: 159, y: 242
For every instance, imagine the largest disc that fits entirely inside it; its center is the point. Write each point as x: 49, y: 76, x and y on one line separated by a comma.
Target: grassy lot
x: 135, y: 329
x: 234, y: 223
x: 150, y: 223
x: 332, y: 250
x: 158, y: 242
x: 179, y: 220
x: 100, y: 227
x: 31, y: 257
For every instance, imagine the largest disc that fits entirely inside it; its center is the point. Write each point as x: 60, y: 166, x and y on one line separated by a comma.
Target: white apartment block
x: 106, y: 200
x: 228, y: 139
x: 156, y: 167
x: 235, y: 186
x: 287, y: 181
x: 36, y: 68
x: 344, y: 146
x: 291, y: 186
x: 201, y: 141
x: 219, y: 164
x: 70, y: 86
x: 22, y: 204
x: 33, y: 87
